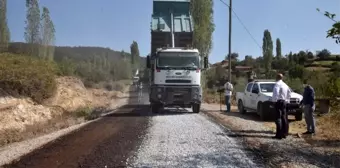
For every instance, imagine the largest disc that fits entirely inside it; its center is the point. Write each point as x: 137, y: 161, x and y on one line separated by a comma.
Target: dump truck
x: 175, y: 67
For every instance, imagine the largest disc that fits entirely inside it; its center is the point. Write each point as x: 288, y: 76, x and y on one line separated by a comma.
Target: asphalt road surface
x: 133, y: 137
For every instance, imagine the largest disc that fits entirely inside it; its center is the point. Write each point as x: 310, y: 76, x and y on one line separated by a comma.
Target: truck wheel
x: 155, y: 108
x: 241, y: 107
x: 261, y: 112
x: 298, y: 116
x: 196, y: 108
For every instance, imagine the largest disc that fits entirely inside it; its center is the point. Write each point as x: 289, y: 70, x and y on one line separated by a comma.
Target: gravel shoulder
x: 180, y: 138
x: 256, y: 135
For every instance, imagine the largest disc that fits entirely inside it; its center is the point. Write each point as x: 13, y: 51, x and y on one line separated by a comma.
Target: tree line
x: 92, y: 64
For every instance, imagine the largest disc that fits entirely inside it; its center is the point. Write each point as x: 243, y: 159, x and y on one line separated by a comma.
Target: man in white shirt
x: 281, y: 96
x: 228, y: 88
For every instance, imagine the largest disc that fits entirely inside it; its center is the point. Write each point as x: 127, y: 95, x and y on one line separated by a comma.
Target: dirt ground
x: 22, y: 118
x: 295, y: 151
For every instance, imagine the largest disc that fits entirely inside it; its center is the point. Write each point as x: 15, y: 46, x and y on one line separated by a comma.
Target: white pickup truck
x: 257, y: 96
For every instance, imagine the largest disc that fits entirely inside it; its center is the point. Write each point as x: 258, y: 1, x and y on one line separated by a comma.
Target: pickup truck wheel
x: 196, y: 108
x: 298, y: 116
x: 261, y: 112
x: 241, y: 107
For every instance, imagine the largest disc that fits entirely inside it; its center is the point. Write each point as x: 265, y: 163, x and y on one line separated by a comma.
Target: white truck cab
x: 257, y: 96
x: 175, y: 78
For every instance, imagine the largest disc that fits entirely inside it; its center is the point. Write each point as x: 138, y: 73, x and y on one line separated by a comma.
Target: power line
x: 242, y: 24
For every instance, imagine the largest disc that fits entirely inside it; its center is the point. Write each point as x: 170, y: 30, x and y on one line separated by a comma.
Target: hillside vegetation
x: 26, y: 76
x: 92, y: 64
x: 44, y: 87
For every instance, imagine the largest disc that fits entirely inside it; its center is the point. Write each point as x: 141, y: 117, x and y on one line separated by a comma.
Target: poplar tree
x: 4, y: 30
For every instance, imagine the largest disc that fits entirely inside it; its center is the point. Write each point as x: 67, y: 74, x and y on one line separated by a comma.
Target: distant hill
x: 79, y: 53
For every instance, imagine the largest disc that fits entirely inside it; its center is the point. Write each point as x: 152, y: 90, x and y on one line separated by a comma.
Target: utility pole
x: 230, y: 10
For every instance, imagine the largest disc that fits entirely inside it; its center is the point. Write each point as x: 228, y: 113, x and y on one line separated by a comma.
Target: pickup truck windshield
x: 178, y: 60
x: 267, y: 87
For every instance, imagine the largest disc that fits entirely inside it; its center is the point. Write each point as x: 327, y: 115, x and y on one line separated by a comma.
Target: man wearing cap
x: 281, y: 96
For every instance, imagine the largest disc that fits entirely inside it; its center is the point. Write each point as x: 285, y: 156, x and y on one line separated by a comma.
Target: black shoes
x: 308, y: 133
x: 277, y: 137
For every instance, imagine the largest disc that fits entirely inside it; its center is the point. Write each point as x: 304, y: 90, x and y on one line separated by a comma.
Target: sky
x: 116, y: 23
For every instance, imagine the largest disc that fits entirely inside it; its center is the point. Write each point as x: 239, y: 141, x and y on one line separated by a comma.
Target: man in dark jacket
x: 309, y: 107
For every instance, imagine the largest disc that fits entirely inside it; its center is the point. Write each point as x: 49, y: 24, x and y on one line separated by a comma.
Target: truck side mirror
x: 148, y: 62
x: 206, y: 62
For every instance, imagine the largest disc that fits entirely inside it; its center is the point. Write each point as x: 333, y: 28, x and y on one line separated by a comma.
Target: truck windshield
x: 178, y: 60
x: 267, y: 87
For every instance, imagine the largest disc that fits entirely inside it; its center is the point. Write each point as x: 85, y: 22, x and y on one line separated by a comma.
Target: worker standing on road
x: 140, y: 93
x: 309, y: 107
x: 228, y: 92
x: 281, y: 96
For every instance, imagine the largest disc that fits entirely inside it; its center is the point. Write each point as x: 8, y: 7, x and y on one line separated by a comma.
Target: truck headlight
x: 196, y: 90
x: 159, y: 89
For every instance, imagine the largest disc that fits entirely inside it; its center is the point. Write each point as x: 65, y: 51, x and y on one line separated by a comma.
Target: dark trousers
x: 227, y: 102
x: 281, y: 119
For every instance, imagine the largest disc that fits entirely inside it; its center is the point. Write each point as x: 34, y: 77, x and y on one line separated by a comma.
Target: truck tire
x: 196, y: 108
x: 298, y: 116
x: 240, y: 107
x: 155, y: 108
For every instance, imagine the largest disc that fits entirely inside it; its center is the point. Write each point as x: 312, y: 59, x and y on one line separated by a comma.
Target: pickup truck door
x: 247, y: 96
x: 254, y: 95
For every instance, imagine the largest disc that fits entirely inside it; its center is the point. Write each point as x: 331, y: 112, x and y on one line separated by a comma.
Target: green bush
x: 295, y: 84
x: 27, y: 76
x: 296, y: 71
x: 84, y: 112
x: 66, y: 67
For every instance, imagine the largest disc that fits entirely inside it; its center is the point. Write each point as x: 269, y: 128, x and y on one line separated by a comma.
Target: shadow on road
x: 253, y: 131
x: 144, y: 110
x: 247, y: 116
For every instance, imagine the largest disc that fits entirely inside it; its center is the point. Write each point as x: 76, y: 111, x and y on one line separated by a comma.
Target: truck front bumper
x: 184, y: 96
x: 292, y: 108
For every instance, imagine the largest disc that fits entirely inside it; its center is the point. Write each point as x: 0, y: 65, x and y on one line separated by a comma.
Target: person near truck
x: 308, y: 107
x: 281, y: 96
x: 140, y: 93
x: 228, y: 87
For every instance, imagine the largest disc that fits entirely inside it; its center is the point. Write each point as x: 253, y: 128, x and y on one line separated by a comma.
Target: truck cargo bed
x: 161, y: 27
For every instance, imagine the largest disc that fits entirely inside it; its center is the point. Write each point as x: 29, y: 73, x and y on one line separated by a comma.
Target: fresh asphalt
x: 134, y: 137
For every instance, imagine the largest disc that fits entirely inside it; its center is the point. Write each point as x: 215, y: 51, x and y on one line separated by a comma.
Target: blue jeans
x: 227, y: 102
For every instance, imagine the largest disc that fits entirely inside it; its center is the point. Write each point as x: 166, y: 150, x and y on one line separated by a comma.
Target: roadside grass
x: 89, y: 113
x: 84, y: 112
x: 329, y: 126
